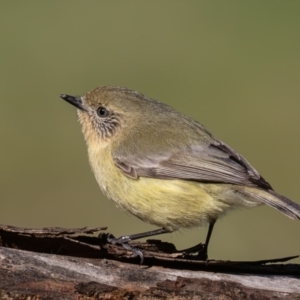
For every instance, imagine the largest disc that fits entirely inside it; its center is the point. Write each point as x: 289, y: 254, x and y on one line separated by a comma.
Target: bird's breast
x: 170, y: 203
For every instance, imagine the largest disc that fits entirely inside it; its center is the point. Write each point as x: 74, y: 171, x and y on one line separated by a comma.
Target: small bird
x: 164, y: 167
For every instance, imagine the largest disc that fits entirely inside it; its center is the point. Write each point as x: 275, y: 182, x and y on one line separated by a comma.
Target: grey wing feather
x: 214, y: 162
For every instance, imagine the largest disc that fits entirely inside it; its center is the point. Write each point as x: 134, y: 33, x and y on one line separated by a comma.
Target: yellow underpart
x: 171, y: 204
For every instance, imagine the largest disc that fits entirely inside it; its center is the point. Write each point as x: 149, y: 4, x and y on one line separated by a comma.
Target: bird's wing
x: 209, y: 162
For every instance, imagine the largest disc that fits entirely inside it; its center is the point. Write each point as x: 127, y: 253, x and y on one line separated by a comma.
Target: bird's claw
x: 124, y: 242
x: 118, y: 241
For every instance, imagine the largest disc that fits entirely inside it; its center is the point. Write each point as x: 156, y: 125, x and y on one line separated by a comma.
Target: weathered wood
x: 39, y: 275
x: 28, y: 274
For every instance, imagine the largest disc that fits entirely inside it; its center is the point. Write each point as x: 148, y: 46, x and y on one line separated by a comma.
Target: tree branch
x: 84, y: 266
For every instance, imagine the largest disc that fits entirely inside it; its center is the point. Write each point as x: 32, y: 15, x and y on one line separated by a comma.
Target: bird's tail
x: 271, y: 198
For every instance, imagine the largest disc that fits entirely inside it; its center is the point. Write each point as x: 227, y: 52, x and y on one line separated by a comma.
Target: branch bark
x: 83, y: 268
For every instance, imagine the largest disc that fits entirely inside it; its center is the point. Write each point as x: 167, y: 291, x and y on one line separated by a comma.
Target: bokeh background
x: 233, y: 65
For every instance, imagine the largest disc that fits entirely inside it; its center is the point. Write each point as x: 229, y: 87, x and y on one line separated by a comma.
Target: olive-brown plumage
x: 164, y: 167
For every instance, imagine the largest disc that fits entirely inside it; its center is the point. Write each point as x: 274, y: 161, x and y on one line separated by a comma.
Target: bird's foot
x: 200, y: 249
x: 124, y: 242
x: 202, y: 255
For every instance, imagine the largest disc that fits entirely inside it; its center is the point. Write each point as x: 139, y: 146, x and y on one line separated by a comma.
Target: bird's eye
x: 102, y: 112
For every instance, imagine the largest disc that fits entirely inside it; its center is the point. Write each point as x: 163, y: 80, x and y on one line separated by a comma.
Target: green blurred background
x: 233, y: 65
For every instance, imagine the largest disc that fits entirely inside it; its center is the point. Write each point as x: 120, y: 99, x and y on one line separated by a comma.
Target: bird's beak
x: 76, y: 101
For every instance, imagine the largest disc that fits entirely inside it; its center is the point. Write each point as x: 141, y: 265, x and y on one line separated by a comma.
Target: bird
x: 164, y: 167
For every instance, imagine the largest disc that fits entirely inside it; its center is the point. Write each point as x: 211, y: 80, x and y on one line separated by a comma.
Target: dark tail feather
x: 271, y: 198
x: 287, y: 206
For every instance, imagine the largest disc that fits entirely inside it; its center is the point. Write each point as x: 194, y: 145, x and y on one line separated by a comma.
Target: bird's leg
x: 202, y: 254
x: 132, y: 237
x: 200, y: 248
x: 124, y: 240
